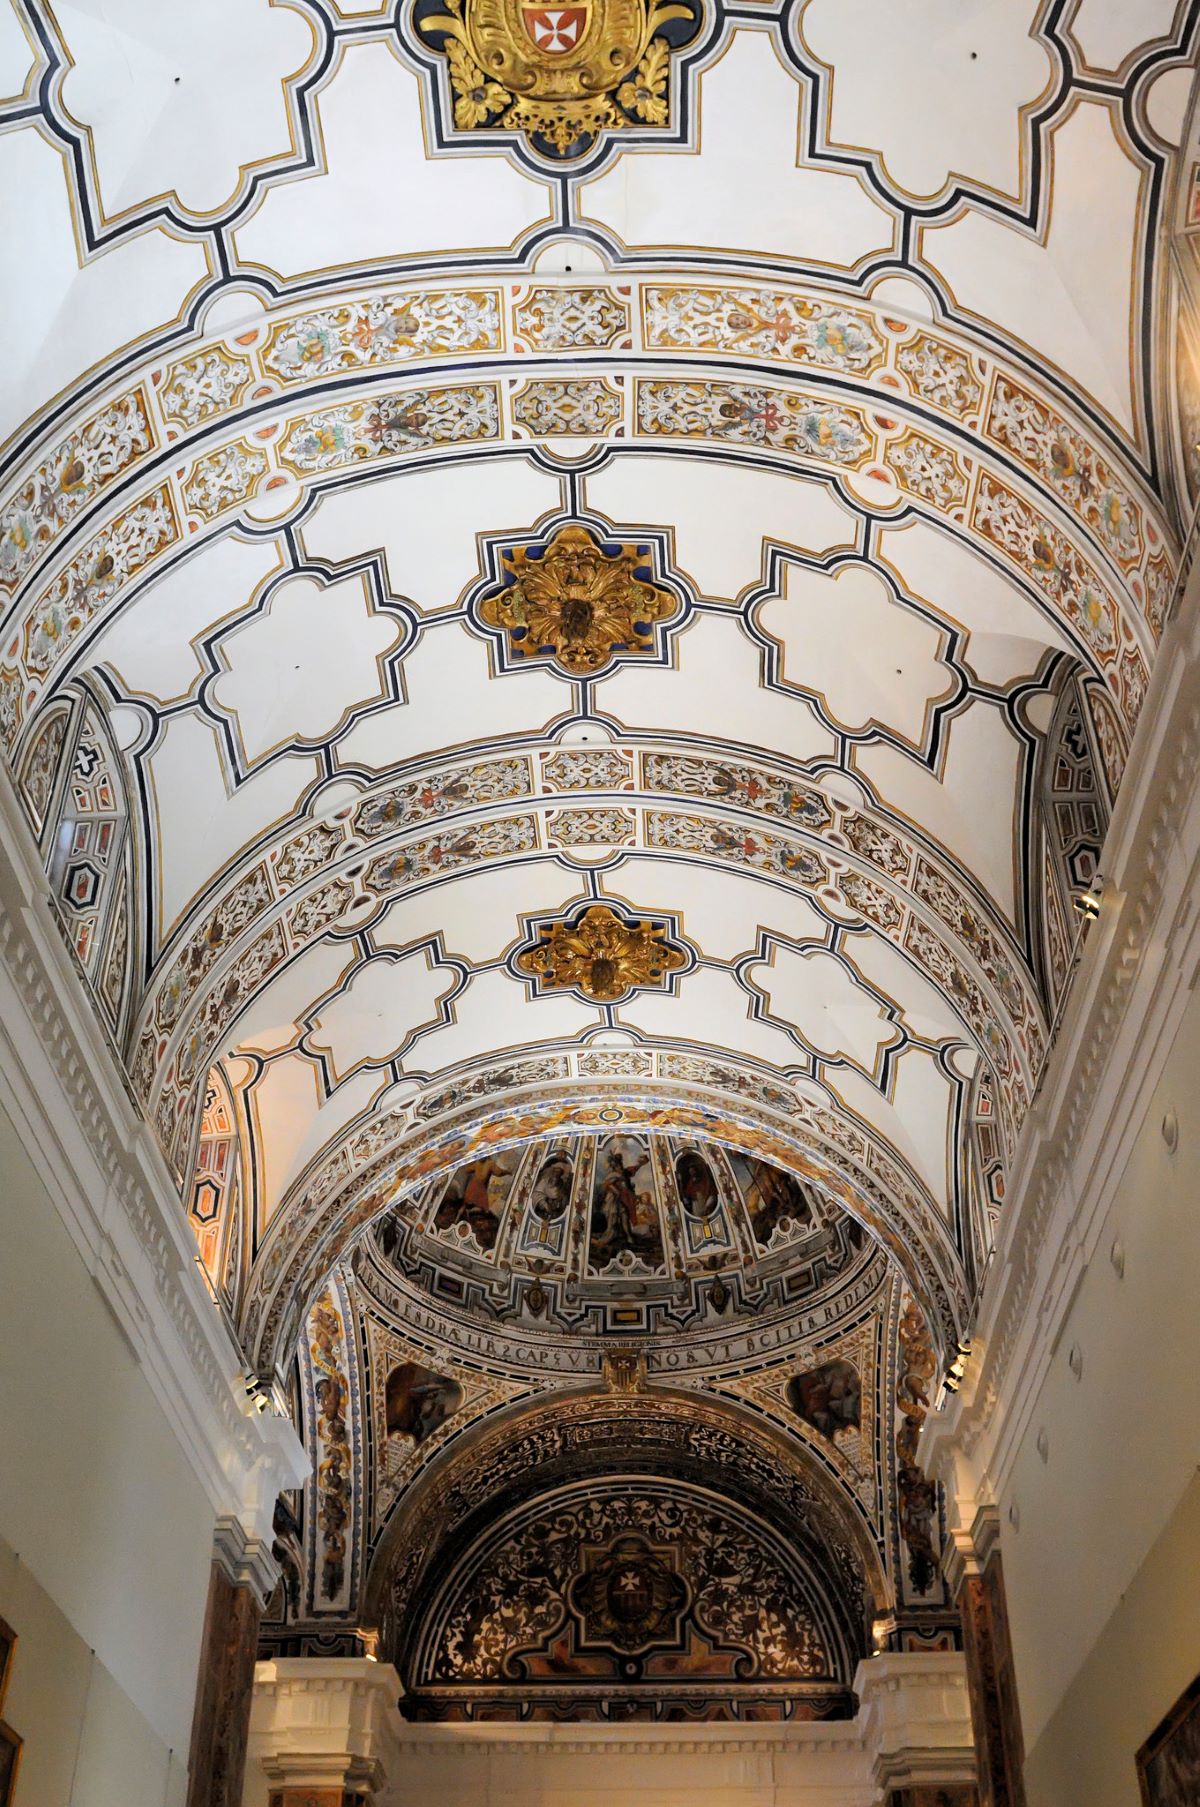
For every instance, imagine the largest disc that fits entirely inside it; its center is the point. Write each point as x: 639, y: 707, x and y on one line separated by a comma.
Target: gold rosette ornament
x: 573, y: 600
x: 601, y: 954
x: 559, y: 74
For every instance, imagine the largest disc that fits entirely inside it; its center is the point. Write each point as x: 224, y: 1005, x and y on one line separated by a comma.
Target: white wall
x: 105, y: 1531
x: 1103, y: 1573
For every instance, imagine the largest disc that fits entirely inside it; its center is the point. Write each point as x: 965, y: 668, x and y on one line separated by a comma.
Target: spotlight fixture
x: 1088, y: 902
x: 258, y: 1395
x: 957, y: 1368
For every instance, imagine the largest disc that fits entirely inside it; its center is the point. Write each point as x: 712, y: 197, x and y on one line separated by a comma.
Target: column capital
x: 969, y: 1549
x: 246, y: 1560
x: 916, y: 1717
x: 325, y: 1723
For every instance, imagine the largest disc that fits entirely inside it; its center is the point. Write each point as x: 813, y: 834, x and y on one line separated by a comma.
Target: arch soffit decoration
x: 532, y: 1446
x: 1022, y: 202
x: 943, y: 429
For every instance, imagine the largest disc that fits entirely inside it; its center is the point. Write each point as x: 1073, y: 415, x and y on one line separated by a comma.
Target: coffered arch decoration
x: 74, y: 786
x: 556, y: 1492
x: 809, y: 384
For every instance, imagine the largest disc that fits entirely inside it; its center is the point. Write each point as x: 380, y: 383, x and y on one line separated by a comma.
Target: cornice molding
x: 968, y: 1552
x: 247, y: 1561
x: 914, y: 1725
x: 546, y: 1741
x: 61, y: 1085
x: 1130, y: 992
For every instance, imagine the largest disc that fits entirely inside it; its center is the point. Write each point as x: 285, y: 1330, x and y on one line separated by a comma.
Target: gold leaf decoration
x: 578, y: 602
x: 558, y: 75
x: 601, y: 954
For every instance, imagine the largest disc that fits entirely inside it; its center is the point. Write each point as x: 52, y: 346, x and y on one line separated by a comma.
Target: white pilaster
x: 915, y: 1716
x: 1136, y: 975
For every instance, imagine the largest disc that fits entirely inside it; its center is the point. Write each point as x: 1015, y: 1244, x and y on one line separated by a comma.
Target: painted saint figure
x: 829, y: 1397
x: 624, y: 1208
x: 418, y: 1401
x: 773, y: 1198
x: 476, y: 1196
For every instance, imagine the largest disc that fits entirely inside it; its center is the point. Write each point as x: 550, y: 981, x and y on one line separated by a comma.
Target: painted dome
x: 619, y: 1234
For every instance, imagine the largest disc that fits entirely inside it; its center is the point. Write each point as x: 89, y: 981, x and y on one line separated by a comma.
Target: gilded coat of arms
x: 561, y: 75
x: 578, y: 601
x: 601, y: 954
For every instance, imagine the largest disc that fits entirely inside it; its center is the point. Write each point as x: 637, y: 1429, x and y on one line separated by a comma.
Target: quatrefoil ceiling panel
x: 577, y: 586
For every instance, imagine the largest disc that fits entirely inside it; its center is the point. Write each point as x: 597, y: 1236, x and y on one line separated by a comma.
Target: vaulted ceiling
x: 543, y: 551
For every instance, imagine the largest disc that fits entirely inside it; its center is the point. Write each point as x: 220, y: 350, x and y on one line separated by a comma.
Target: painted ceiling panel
x: 1109, y: 31
x: 403, y: 517
x: 16, y: 56
x: 1009, y: 635
x: 981, y: 752
x: 495, y: 998
x: 760, y: 201
x: 924, y: 1101
x: 725, y: 912
x: 269, y: 1022
x: 721, y: 516
x: 1069, y: 298
x: 944, y: 93
x: 62, y: 318
x: 869, y: 660
x: 168, y: 109
x: 714, y: 653
x: 150, y: 649
x: 201, y: 824
x: 451, y: 700
x: 370, y: 208
x: 477, y: 915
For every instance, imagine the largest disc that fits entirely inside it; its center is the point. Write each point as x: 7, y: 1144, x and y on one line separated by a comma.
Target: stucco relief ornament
x: 560, y: 75
x: 600, y: 954
x: 577, y: 601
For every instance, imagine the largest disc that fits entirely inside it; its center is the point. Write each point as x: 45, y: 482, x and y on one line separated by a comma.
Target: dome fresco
x: 620, y: 1233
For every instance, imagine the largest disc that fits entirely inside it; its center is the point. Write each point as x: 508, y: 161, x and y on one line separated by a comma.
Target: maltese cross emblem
x: 555, y: 29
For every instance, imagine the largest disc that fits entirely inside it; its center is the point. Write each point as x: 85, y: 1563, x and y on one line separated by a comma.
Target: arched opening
x: 214, y: 1200
x: 73, y: 788
x: 641, y: 1554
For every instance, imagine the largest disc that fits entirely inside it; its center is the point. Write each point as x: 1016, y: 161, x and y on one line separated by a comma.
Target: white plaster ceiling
x: 851, y: 344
